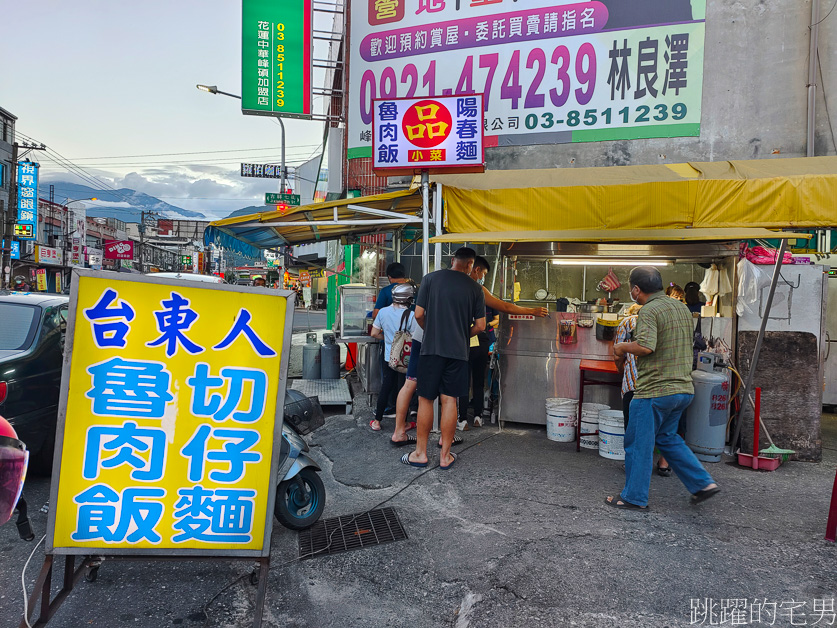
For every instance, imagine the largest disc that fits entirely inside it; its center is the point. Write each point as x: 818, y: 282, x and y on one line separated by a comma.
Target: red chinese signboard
x: 119, y: 249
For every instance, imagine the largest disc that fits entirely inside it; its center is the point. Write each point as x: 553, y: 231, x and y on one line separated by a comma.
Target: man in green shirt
x: 663, y: 346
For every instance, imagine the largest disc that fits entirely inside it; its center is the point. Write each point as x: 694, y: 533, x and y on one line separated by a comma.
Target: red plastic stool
x: 831, y: 526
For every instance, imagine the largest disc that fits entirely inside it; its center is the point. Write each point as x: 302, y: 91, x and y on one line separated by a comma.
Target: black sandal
x: 621, y: 504
x: 702, y: 496
x: 663, y: 472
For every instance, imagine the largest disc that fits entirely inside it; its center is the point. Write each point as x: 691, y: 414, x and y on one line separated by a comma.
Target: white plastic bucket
x: 561, y: 418
x: 612, y: 434
x: 561, y: 403
x: 590, y: 424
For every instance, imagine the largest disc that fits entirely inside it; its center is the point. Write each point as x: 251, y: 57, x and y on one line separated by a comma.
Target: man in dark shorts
x: 450, y: 308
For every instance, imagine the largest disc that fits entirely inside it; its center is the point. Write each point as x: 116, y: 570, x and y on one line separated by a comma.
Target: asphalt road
x: 515, y: 535
x: 309, y: 320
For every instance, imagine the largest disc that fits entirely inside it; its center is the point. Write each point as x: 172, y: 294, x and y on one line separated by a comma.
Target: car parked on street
x: 32, y: 330
x: 188, y: 277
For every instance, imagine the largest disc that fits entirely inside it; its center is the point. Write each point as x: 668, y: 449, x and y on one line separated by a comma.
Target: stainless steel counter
x: 535, y: 366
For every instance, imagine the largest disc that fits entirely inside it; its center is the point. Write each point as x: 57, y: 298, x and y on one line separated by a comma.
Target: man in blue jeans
x: 664, y: 389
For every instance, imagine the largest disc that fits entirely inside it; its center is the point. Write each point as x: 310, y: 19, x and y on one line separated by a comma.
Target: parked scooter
x: 300, y: 495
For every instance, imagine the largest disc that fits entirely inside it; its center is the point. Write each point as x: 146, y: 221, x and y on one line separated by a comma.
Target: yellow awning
x: 765, y: 193
x: 318, y: 221
x: 621, y: 235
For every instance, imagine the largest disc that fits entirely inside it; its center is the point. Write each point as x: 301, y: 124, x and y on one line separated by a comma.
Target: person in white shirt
x: 390, y: 320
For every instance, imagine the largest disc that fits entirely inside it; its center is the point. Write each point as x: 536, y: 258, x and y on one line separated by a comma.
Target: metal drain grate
x: 341, y: 534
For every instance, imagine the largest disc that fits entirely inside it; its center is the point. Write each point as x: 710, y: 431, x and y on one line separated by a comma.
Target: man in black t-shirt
x: 450, y: 308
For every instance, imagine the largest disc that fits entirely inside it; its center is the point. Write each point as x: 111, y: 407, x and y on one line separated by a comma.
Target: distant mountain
x: 138, y: 202
x: 253, y: 209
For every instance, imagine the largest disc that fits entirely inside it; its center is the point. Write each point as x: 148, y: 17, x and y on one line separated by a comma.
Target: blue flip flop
x: 457, y: 440
x: 450, y: 465
x: 405, y: 459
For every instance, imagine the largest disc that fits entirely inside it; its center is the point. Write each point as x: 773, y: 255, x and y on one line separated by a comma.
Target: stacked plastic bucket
x: 590, y: 424
x: 611, y: 434
x: 561, y: 417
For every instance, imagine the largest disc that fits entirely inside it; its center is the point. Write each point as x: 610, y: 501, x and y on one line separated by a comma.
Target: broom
x: 772, y: 451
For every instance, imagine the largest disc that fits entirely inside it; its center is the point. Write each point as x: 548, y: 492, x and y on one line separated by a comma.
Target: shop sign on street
x: 170, y: 418
x: 261, y: 171
x: 48, y: 255
x: 551, y: 72
x: 316, y: 273
x: 304, y: 276
x: 277, y: 57
x: 271, y: 198
x: 77, y: 252
x: 95, y: 257
x: 58, y: 287
x: 15, y: 246
x: 119, y: 249
x: 438, y: 134
x: 26, y: 227
x: 41, y: 277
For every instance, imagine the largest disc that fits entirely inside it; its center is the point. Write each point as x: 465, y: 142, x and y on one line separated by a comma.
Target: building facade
x: 757, y: 76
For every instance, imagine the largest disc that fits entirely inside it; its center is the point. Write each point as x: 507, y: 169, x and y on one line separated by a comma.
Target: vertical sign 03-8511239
x: 276, y: 57
x: 170, y: 408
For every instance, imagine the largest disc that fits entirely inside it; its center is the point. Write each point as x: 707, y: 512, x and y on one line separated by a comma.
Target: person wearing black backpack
x: 388, y: 323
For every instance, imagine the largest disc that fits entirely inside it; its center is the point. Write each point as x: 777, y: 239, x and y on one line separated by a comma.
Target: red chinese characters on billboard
x: 119, y: 249
x: 385, y: 11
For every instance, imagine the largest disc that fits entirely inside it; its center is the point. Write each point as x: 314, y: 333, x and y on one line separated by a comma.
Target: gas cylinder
x: 311, y: 357
x: 330, y: 353
x: 707, y: 416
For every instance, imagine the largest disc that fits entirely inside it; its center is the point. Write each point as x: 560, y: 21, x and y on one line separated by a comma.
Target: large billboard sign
x: 26, y: 227
x: 277, y: 57
x: 170, y: 418
x: 119, y: 249
x: 436, y: 134
x: 551, y: 71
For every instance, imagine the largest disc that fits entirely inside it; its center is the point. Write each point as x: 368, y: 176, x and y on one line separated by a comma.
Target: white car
x: 188, y: 277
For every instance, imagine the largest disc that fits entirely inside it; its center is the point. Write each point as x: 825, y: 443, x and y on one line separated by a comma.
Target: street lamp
x: 213, y: 89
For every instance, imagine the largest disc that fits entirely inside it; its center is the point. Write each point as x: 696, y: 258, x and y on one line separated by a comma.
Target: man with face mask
x: 479, y: 352
x: 664, y: 389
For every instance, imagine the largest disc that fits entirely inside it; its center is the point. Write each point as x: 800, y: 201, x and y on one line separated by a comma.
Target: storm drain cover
x: 341, y: 534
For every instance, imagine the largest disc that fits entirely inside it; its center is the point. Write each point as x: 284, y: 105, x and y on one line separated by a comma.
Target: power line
x: 196, y: 152
x: 214, y: 161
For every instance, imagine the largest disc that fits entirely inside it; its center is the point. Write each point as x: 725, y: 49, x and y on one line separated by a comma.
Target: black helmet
x: 303, y: 413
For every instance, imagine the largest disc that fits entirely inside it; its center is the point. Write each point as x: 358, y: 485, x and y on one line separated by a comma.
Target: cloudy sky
x: 111, y: 86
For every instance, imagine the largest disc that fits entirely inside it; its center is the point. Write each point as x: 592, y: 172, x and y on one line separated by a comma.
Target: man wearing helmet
x: 20, y: 284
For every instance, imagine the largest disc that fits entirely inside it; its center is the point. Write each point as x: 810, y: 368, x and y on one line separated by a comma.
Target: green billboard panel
x: 276, y: 57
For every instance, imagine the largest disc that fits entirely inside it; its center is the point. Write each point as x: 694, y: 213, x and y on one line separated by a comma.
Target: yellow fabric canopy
x: 621, y: 235
x: 767, y: 193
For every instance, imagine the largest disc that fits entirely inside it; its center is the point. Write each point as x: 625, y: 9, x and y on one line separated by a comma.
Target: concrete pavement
x: 515, y: 535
